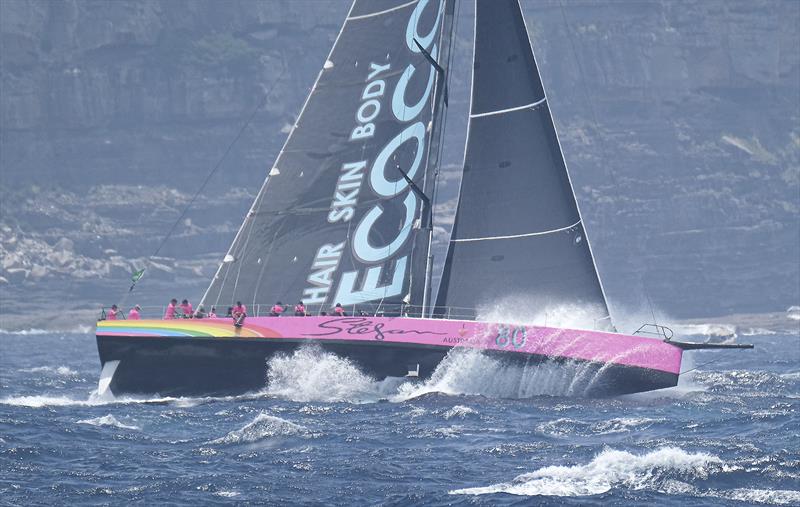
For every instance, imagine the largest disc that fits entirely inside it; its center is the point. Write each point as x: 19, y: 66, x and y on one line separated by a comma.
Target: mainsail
x: 518, y: 235
x: 335, y: 221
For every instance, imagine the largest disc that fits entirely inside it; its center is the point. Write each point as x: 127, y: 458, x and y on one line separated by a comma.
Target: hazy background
x: 680, y: 123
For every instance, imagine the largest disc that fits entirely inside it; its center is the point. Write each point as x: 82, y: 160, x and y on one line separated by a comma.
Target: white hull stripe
x: 501, y: 111
x: 541, y: 233
x: 364, y: 16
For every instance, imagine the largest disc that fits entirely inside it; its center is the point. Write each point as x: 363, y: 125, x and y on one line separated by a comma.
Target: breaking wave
x: 81, y: 329
x: 108, y: 420
x: 709, y: 330
x: 264, y: 426
x: 571, y: 427
x: 529, y: 310
x: 609, y: 469
x: 94, y: 400
x: 767, y: 496
x: 459, y: 411
x: 63, y: 371
x: 311, y: 374
x: 470, y: 372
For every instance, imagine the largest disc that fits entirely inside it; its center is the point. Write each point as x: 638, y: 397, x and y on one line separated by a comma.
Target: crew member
x: 300, y: 310
x: 170, y: 313
x: 339, y: 311
x: 112, y: 313
x: 239, y: 312
x: 277, y: 309
x: 186, y: 308
x: 134, y: 313
x: 213, y: 313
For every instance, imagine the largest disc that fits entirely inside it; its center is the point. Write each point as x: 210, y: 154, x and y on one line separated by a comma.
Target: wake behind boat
x: 345, y: 217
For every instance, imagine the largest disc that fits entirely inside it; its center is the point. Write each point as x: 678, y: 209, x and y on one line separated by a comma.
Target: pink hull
x: 557, y: 343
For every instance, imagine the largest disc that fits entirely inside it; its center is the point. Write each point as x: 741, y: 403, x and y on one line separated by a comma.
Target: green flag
x: 137, y: 275
x: 135, y: 278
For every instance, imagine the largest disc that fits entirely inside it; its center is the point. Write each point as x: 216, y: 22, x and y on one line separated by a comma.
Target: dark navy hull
x: 192, y: 366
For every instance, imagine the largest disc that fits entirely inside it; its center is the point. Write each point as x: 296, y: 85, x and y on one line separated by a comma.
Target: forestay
x: 518, y: 234
x: 334, y: 222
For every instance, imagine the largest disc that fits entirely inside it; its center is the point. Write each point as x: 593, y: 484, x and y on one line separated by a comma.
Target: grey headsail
x: 518, y: 237
x: 334, y: 221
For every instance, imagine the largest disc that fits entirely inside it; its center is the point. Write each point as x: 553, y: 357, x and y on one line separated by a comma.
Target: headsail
x: 335, y: 220
x: 518, y: 233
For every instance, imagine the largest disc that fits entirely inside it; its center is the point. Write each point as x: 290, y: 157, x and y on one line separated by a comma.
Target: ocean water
x: 478, y: 433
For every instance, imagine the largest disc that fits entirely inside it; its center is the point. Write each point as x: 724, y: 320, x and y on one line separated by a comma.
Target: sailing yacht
x: 345, y: 216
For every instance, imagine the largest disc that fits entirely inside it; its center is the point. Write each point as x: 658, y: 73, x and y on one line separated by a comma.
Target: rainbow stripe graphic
x: 208, y: 328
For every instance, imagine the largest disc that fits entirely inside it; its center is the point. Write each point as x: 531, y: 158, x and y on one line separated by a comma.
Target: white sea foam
x: 459, y: 411
x: 227, y: 494
x: 108, y: 420
x: 26, y: 332
x: 43, y: 401
x: 764, y: 496
x: 570, y: 427
x: 39, y: 401
x: 758, y: 331
x: 609, y: 469
x: 80, y: 329
x: 710, y: 330
x: 63, y: 371
x: 530, y: 310
x: 311, y: 374
x: 470, y: 372
x: 264, y: 426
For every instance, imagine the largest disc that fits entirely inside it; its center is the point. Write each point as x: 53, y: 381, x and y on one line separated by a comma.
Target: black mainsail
x: 335, y: 221
x: 518, y: 231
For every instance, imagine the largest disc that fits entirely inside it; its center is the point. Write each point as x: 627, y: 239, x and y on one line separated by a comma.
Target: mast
x: 518, y: 237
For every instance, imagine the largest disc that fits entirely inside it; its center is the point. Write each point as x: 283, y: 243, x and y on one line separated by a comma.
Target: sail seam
x: 364, y: 16
x: 509, y: 110
x: 513, y: 236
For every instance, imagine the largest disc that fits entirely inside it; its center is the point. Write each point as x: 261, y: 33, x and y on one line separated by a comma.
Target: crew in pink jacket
x: 277, y: 309
x: 112, y: 313
x: 186, y: 308
x: 134, y: 313
x: 238, y: 313
x: 170, y: 313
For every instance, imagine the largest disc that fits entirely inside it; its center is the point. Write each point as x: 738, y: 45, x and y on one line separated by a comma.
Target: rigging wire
x: 210, y: 175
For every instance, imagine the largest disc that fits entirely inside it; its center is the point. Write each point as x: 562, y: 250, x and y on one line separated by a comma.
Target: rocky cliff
x: 679, y: 122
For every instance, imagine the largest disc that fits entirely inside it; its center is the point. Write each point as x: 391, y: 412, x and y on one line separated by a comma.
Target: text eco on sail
x: 376, y: 258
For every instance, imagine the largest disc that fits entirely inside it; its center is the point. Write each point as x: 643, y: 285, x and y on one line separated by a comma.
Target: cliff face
x: 681, y: 125
x: 679, y: 122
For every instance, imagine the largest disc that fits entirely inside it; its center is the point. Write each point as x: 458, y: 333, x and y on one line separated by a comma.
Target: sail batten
x: 384, y: 11
x: 513, y: 236
x: 518, y: 235
x: 508, y: 110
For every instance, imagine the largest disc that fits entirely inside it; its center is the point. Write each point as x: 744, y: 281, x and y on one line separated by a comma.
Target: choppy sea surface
x: 477, y: 433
